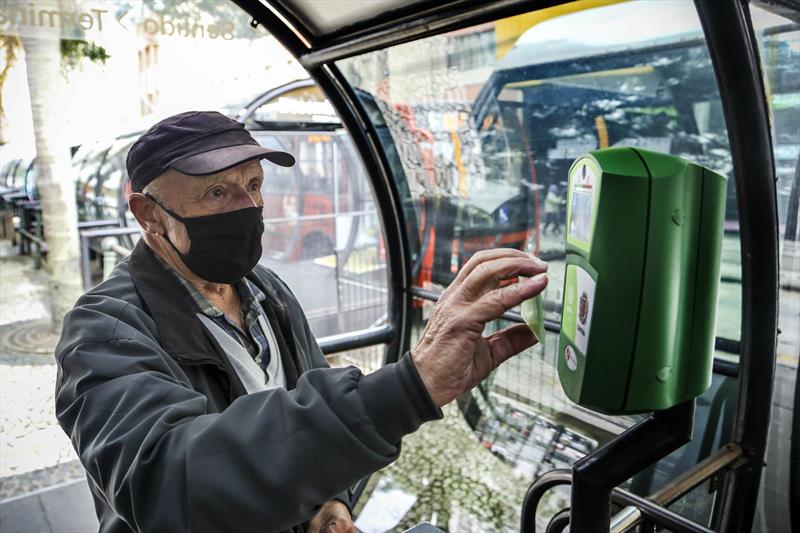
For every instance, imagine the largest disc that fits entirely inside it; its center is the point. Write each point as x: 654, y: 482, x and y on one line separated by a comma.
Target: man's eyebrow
x: 208, y: 182
x: 211, y: 179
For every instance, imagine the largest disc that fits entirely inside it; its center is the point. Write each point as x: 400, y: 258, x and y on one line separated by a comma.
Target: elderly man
x: 191, y: 385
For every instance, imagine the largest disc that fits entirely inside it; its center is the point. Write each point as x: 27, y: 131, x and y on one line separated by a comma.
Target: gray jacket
x: 169, y: 438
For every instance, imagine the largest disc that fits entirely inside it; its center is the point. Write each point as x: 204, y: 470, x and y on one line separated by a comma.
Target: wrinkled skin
x: 452, y: 356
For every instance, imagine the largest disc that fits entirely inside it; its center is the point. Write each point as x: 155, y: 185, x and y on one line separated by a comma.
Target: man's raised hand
x: 452, y: 355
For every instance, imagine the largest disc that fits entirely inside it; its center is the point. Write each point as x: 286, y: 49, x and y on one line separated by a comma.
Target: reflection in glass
x: 322, y: 231
x: 480, y: 146
x: 480, y: 127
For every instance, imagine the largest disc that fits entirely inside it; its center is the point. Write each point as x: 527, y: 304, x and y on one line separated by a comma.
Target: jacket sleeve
x: 164, y: 463
x: 305, y: 342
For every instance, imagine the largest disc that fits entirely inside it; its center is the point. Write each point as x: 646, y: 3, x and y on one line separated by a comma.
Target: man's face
x: 237, y: 188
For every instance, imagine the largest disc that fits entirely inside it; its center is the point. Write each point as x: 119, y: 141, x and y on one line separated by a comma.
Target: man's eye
x: 216, y: 193
x: 255, y: 186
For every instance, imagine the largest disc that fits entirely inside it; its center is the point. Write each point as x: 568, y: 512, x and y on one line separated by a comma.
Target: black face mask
x: 225, y: 246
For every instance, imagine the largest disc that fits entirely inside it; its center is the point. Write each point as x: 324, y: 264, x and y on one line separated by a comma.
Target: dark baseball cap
x: 196, y: 143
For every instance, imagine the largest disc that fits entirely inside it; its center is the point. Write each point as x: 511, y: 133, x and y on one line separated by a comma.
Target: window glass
x: 480, y: 143
x: 320, y: 219
x: 87, y: 162
x: 18, y: 179
x: 483, y: 146
x: 8, y: 172
x: 30, y: 181
x: 778, y: 40
x: 108, y: 187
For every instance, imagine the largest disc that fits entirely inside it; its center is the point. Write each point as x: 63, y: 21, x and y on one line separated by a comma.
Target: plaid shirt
x: 255, y: 340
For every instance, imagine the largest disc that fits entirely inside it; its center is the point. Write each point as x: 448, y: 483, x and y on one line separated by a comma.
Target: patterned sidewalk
x: 34, y: 451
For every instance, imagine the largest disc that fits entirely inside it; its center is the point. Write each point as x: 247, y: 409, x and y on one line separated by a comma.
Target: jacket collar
x: 182, y: 335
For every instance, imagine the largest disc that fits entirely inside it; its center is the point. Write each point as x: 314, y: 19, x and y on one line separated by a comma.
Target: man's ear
x: 146, y: 214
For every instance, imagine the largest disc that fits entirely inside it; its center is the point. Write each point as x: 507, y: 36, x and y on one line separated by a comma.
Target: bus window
x: 492, y: 156
x: 320, y: 218
x: 480, y: 134
x: 779, y: 46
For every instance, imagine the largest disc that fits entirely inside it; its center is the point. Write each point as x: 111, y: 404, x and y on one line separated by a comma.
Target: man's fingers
x: 510, y: 341
x: 488, y: 275
x: 484, y: 256
x: 494, y: 303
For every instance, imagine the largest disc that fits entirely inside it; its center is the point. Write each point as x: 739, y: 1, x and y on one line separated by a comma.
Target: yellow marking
x: 462, y: 171
x: 318, y: 138
x: 602, y: 131
x: 627, y: 71
x: 359, y: 262
x: 508, y: 30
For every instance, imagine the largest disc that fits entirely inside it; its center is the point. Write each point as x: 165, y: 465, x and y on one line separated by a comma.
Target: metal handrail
x: 657, y: 514
x: 709, y: 467
x: 91, y: 224
x: 636, y: 509
x: 119, y: 249
x: 533, y: 496
x: 595, y: 476
x: 559, y: 522
x: 95, y: 232
x: 325, y: 216
x: 352, y: 340
x: 654, y: 513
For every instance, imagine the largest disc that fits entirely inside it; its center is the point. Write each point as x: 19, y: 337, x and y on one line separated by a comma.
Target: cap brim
x: 224, y: 158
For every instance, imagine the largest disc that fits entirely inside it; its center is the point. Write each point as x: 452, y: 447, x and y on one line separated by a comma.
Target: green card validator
x: 644, y: 234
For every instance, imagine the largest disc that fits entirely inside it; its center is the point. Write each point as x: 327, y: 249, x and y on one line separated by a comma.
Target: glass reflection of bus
x: 578, y: 77
x: 447, y: 224
x: 315, y: 208
x: 556, y: 98
x: 303, y: 203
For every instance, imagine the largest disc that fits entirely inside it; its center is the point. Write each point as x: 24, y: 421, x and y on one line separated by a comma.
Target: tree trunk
x: 53, y: 164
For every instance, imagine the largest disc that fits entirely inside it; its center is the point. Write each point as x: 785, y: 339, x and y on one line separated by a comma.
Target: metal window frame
x: 737, y: 66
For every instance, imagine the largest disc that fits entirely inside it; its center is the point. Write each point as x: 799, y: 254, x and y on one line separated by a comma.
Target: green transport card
x: 533, y: 314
